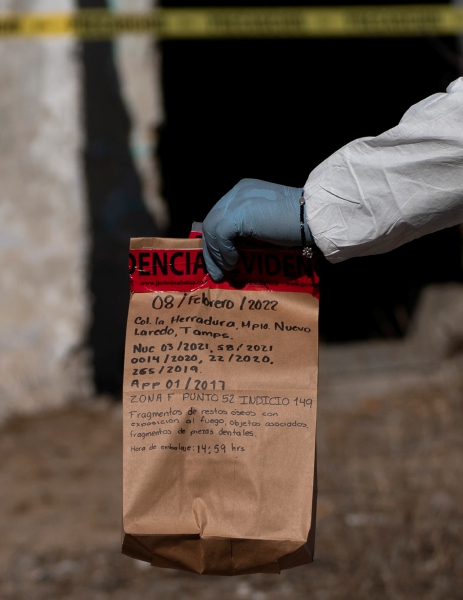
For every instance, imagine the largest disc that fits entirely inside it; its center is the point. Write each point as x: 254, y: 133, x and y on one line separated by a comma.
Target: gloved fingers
x: 216, y: 250
x: 226, y: 232
x: 211, y: 251
x: 220, y: 253
x: 214, y: 270
x: 252, y: 208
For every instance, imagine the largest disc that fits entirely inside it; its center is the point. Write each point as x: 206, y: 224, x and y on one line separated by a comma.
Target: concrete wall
x: 43, y: 236
x: 44, y: 241
x: 45, y: 309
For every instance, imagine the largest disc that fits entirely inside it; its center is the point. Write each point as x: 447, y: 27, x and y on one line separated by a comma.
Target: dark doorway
x: 274, y: 109
x: 271, y: 109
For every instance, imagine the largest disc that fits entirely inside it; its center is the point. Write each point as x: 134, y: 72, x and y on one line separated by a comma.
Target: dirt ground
x: 390, y: 518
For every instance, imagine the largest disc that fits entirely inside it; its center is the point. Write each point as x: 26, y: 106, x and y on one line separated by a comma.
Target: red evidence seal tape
x: 184, y: 270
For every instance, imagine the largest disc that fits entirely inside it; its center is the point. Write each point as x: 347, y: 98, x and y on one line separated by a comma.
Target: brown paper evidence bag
x: 220, y: 397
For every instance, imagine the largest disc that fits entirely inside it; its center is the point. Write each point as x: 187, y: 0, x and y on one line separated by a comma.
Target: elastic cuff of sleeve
x: 306, y: 234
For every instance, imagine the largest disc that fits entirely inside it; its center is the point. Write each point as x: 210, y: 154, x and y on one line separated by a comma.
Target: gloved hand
x: 265, y: 211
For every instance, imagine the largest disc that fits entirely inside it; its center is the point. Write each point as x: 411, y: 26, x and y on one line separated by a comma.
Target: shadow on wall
x: 116, y: 209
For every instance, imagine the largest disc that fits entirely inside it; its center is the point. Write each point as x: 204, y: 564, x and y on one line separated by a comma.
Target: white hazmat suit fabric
x: 377, y: 193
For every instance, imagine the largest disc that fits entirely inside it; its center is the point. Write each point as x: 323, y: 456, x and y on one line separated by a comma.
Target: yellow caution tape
x: 213, y: 23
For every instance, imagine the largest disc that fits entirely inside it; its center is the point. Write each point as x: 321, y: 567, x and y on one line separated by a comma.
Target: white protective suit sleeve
x: 377, y: 193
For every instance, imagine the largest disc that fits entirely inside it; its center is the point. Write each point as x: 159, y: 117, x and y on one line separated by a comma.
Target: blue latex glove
x: 265, y: 211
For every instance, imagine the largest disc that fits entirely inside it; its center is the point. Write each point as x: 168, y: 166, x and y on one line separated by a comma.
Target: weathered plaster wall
x: 44, y: 307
